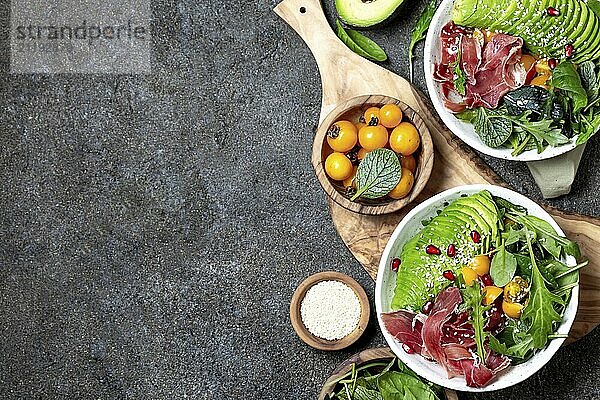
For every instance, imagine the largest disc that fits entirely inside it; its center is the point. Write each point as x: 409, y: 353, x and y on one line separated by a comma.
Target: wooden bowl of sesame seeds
x: 329, y: 311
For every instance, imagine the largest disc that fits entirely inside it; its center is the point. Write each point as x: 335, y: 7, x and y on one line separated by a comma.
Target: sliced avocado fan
x: 363, y: 13
x: 420, y: 276
x: 544, y: 34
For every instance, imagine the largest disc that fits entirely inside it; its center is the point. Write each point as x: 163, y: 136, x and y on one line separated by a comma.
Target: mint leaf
x: 493, y: 129
x: 377, y: 174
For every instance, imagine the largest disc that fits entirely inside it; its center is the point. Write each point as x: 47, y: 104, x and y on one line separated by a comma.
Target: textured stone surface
x: 155, y: 227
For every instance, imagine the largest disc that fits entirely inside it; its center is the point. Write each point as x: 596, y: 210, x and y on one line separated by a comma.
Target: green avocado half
x: 362, y: 13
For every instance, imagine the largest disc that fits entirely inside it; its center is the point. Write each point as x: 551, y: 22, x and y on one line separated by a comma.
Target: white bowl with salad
x: 516, y: 80
x: 477, y: 288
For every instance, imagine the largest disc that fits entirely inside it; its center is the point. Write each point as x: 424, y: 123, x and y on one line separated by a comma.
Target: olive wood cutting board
x: 345, y: 75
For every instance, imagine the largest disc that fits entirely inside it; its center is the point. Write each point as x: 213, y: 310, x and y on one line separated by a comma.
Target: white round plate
x: 464, y: 130
x: 386, y: 282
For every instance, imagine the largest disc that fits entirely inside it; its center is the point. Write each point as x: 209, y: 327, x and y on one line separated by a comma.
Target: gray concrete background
x: 155, y: 227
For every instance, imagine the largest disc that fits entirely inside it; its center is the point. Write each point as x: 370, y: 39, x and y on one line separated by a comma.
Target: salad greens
x: 495, y: 279
x: 360, y: 44
x: 384, y: 381
x: 418, y: 32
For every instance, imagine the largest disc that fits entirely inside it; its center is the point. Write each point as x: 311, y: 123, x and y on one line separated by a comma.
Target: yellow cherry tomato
x: 527, y: 61
x: 405, y: 139
x: 480, y: 264
x: 490, y: 294
x: 370, y: 114
x: 349, y: 181
x: 373, y: 137
x: 362, y: 152
x: 390, y: 115
x: 512, y: 310
x: 342, y: 136
x: 409, y: 162
x: 542, y: 67
x: 407, y: 180
x: 540, y: 80
x: 516, y: 290
x: 469, y: 275
x: 338, y: 166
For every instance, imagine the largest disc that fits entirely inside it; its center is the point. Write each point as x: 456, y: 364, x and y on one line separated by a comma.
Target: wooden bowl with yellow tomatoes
x: 373, y: 154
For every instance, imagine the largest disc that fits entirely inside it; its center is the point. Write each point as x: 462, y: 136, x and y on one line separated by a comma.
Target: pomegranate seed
x: 491, y: 252
x: 407, y: 349
x: 487, y: 280
x: 395, y: 264
x: 427, y: 307
x: 451, y: 252
x: 552, y: 63
x: 431, y: 249
x: 475, y: 236
x: 553, y: 12
x: 448, y: 274
x: 569, y: 50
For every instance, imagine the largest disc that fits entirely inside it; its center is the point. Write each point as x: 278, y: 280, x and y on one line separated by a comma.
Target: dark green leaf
x: 401, y: 386
x: 566, y: 78
x: 503, y: 266
x: 518, y: 350
x: 377, y: 174
x: 595, y: 6
x: 418, y: 32
x: 589, y: 79
x: 460, y: 81
x: 491, y: 128
x: 539, y: 311
x: 526, y: 98
x: 590, y: 127
x: 360, y: 44
x: 473, y: 296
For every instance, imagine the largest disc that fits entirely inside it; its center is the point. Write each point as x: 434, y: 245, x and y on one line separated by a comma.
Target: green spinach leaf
x: 503, y: 266
x: 566, y: 78
x: 589, y: 79
x: 377, y: 174
x: 493, y: 130
x: 360, y: 44
x: 418, y: 32
x: 401, y: 386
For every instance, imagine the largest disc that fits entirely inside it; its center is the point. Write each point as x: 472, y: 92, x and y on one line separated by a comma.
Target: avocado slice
x: 570, y: 19
x: 505, y: 20
x: 581, y: 43
x: 362, y: 14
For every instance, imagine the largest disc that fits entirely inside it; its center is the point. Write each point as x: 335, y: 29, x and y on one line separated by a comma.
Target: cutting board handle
x: 344, y: 74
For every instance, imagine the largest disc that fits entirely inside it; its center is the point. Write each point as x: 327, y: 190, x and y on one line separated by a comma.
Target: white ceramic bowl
x: 386, y: 282
x: 462, y: 129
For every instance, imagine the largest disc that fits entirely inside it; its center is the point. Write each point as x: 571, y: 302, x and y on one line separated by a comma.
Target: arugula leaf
x: 473, y: 297
x: 541, y: 130
x: 418, y: 32
x: 547, y: 236
x: 591, y: 126
x: 491, y: 127
x: 518, y: 350
x: 503, y: 266
x: 377, y: 174
x: 566, y: 78
x: 539, y: 311
x: 401, y: 386
x: 460, y: 80
x: 360, y: 44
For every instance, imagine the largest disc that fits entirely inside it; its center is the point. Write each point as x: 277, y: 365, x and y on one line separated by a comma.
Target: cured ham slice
x: 405, y: 327
x: 447, y: 337
x: 491, y: 70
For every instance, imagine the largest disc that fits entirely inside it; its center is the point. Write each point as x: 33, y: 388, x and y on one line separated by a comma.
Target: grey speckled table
x: 154, y: 228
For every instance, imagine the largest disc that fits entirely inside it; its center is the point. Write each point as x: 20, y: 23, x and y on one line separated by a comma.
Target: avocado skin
x: 349, y: 17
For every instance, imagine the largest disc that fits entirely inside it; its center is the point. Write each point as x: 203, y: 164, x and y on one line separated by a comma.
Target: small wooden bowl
x: 365, y: 356
x: 351, y: 110
x: 317, y: 342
